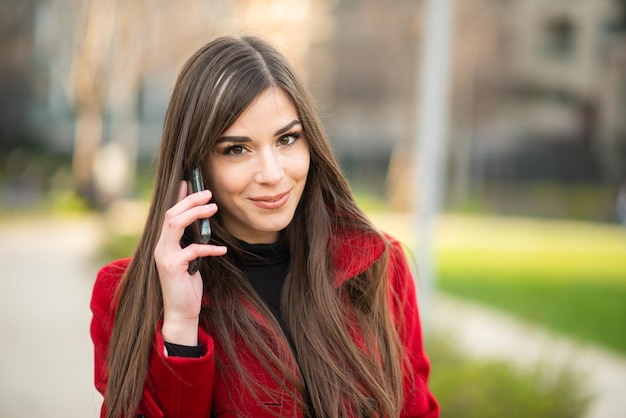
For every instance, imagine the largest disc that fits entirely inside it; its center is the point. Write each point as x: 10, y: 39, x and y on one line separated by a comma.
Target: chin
x: 276, y: 226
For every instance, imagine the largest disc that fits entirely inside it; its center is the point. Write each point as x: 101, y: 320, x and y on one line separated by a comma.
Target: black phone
x: 200, y: 230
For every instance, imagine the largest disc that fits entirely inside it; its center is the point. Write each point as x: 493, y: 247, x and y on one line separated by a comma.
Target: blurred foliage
x: 594, y: 202
x: 65, y: 201
x: 35, y: 180
x: 565, y: 275
x: 144, y: 180
x: 478, y: 388
x: 116, y: 246
x: 369, y: 202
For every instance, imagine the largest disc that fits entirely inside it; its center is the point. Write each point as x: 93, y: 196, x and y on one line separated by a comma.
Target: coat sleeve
x: 175, y: 386
x: 418, y: 399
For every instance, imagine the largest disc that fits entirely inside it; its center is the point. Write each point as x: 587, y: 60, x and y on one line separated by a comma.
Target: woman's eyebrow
x: 287, y: 127
x: 241, y: 139
x: 238, y: 139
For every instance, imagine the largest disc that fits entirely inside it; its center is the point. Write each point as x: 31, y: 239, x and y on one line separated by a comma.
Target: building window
x: 559, y: 38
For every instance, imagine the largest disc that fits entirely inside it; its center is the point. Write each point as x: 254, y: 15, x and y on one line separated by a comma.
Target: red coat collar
x: 353, y: 252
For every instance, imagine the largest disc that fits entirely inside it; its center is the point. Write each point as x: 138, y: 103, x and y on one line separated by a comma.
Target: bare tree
x: 108, y: 48
x: 104, y: 50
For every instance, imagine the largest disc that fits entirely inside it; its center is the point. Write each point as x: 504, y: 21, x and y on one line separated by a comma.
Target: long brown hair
x: 341, y: 379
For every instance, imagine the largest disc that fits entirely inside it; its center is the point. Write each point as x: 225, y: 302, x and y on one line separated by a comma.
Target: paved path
x: 46, y: 273
x: 485, y: 333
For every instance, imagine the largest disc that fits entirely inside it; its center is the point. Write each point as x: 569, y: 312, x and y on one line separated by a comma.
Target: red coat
x: 190, y: 387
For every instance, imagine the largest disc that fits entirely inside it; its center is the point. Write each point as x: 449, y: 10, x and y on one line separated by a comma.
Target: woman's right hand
x: 182, y: 292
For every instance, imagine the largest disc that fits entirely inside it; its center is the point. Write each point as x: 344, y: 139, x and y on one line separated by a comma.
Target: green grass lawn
x: 569, y: 276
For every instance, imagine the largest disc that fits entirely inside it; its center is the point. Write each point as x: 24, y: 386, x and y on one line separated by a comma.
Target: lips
x: 271, y: 202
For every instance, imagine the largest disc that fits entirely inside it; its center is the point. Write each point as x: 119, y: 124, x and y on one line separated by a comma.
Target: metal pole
x: 430, y: 139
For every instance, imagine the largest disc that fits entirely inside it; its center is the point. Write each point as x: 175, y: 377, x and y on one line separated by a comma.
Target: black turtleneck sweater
x: 266, y: 267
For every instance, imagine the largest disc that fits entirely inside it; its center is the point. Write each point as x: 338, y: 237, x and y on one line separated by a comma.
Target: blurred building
x: 370, y: 109
x: 537, y: 97
x: 16, y: 89
x: 547, y: 84
x: 538, y: 89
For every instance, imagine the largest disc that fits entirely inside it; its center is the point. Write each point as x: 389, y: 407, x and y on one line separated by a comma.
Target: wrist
x: 180, y: 331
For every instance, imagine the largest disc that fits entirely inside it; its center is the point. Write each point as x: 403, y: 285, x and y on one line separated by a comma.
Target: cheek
x: 303, y: 170
x: 300, y: 165
x: 226, y: 182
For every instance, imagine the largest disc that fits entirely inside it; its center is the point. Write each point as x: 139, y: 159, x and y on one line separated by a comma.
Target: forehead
x: 271, y: 108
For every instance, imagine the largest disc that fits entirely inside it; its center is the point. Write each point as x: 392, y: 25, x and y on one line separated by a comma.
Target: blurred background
x: 527, y: 312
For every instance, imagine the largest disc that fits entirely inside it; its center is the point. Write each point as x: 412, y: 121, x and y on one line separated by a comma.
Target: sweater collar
x: 263, y: 254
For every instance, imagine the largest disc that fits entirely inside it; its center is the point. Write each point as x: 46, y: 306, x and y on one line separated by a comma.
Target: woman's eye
x: 235, y: 150
x: 288, y: 139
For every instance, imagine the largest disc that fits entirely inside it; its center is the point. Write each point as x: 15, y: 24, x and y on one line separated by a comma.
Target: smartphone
x: 200, y: 230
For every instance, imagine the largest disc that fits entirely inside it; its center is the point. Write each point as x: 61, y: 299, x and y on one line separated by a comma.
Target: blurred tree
x: 106, y: 53
x: 16, y: 21
x: 113, y: 46
x: 372, y: 83
x: 618, y: 23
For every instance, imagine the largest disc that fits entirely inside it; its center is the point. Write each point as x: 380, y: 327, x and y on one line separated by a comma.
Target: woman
x: 299, y: 308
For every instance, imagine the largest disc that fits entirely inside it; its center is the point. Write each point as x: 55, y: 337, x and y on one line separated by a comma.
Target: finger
x: 178, y: 263
x: 177, y: 223
x: 174, y: 226
x: 194, y: 251
x: 178, y: 260
x: 187, y: 202
x: 200, y: 251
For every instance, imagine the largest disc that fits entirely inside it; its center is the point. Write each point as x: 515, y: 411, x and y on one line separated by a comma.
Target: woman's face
x: 258, y: 168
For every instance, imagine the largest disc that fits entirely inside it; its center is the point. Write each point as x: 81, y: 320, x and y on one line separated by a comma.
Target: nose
x: 270, y: 170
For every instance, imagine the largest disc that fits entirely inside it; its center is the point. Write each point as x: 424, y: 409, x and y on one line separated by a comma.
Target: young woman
x: 300, y: 307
